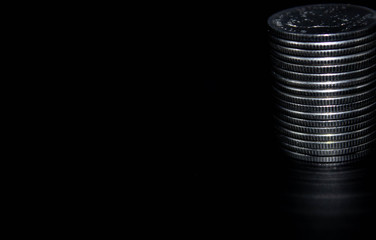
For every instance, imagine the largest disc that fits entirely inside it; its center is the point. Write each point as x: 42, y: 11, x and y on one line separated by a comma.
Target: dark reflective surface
x: 330, y: 202
x: 285, y: 198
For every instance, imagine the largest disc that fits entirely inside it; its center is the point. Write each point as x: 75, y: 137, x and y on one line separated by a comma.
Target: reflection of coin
x: 323, y: 53
x: 323, y: 22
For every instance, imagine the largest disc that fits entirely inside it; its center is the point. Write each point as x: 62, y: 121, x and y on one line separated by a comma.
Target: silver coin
x: 323, y: 53
x: 327, y: 115
x: 326, y: 137
x: 320, y: 101
x: 328, y: 152
x: 325, y: 84
x: 327, y: 123
x: 324, y: 130
x: 325, y: 92
x: 323, y: 45
x: 340, y: 68
x: 322, y: 77
x: 325, y: 60
x: 328, y: 144
x: 323, y: 22
x: 330, y: 159
x: 327, y: 108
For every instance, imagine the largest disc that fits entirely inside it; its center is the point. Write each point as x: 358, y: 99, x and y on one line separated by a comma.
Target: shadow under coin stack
x: 324, y: 71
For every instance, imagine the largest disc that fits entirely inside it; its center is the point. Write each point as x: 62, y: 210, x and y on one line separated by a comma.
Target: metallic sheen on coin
x: 323, y: 67
x: 323, y: 22
x: 323, y: 53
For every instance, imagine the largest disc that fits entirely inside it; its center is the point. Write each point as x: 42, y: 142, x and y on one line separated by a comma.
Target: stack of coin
x: 324, y: 81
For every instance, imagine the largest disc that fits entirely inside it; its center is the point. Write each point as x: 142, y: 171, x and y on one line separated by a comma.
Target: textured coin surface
x: 324, y: 45
x: 326, y: 108
x: 328, y: 144
x: 325, y: 130
x: 327, y: 137
x: 326, y: 60
x: 329, y: 152
x: 338, y: 68
x: 320, y: 101
x: 327, y: 115
x: 322, y: 77
x: 325, y: 92
x: 336, y: 84
x: 323, y: 22
x: 327, y: 123
x: 330, y: 159
x: 323, y: 53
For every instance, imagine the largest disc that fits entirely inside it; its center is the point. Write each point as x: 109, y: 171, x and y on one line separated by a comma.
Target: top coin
x: 323, y: 22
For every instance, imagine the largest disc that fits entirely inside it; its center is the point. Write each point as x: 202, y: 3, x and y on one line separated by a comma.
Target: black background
x: 238, y: 177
